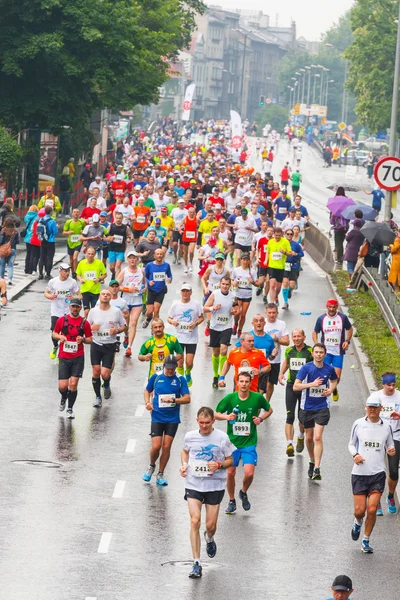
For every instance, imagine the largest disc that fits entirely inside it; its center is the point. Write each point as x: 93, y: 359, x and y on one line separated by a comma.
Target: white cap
x: 181, y: 200
x: 373, y: 401
x: 119, y: 176
x: 186, y: 286
x: 96, y: 218
x: 138, y: 187
x: 132, y: 253
x: 241, y: 180
x: 64, y: 267
x: 226, y: 180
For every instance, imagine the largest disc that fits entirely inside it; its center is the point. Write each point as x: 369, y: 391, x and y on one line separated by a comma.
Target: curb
x: 17, y: 290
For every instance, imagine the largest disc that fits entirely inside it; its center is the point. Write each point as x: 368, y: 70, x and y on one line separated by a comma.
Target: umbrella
x: 348, y: 187
x: 378, y: 233
x: 339, y: 203
x: 369, y: 214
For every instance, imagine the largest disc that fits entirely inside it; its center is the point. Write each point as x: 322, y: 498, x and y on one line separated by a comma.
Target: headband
x: 388, y: 379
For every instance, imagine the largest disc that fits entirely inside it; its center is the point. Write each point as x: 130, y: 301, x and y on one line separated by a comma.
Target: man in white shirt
x: 277, y: 329
x: 98, y: 183
x: 101, y: 204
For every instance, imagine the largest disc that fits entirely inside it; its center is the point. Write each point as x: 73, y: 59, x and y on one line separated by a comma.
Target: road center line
x: 105, y: 541
x: 130, y: 446
x: 139, y: 412
x: 119, y: 489
x: 90, y: 598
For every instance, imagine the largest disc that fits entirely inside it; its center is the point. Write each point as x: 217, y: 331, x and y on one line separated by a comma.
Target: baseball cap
x: 64, y: 267
x: 170, y: 362
x: 164, y: 208
x: 373, y: 401
x: 113, y: 282
x: 244, y: 211
x: 226, y: 180
x: 186, y: 175
x: 98, y: 177
x: 220, y: 255
x: 342, y: 582
x: 76, y: 302
x: 245, y: 255
x: 218, y: 206
x: 181, y: 200
x: 292, y: 209
x: 186, y: 286
x: 87, y: 165
x: 332, y: 302
x: 132, y: 253
x: 193, y: 181
x: 171, y: 180
x: 119, y: 176
x: 96, y: 218
x: 246, y: 195
x: 138, y: 187
x: 158, y: 220
x: 241, y: 180
x: 103, y: 213
x: 49, y: 188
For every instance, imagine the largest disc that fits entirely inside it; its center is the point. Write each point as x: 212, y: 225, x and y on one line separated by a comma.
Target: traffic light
x: 262, y: 100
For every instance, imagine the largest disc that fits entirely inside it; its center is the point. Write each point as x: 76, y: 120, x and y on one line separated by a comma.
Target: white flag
x: 236, y: 127
x: 187, y: 105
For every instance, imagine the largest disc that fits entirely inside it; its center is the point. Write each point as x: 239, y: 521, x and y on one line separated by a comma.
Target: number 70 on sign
x: 387, y: 173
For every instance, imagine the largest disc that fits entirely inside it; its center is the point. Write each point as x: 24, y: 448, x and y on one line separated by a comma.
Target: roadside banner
x: 187, y: 104
x: 236, y: 128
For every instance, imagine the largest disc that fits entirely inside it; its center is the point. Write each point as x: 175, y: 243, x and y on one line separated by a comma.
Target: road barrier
x: 319, y: 248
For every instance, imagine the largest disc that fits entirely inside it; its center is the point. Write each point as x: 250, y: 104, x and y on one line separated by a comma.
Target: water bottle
x: 235, y: 412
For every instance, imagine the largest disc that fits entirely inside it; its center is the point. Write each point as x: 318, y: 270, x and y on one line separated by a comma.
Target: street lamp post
x: 303, y: 72
x: 245, y: 35
x: 393, y: 119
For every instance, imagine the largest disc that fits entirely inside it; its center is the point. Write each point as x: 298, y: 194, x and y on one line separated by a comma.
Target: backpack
x: 64, y: 183
x: 42, y: 231
x: 81, y: 328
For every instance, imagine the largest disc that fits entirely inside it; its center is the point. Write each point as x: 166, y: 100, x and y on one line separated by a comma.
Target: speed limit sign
x: 387, y: 173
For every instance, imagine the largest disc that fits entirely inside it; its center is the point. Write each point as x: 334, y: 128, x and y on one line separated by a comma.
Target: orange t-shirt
x: 244, y: 361
x: 142, y: 214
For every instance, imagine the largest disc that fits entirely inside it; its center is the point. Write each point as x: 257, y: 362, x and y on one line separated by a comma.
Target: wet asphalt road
x: 54, y: 521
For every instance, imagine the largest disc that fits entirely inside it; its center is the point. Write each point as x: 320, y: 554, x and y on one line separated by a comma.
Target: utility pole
x: 389, y: 200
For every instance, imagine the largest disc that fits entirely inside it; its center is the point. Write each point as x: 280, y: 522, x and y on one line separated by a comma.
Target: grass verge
x: 375, y: 336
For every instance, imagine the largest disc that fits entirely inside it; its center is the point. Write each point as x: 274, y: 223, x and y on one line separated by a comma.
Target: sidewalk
x: 21, y: 281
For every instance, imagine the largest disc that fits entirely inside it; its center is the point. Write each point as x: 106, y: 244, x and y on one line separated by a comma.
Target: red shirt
x: 262, y: 248
x: 217, y: 200
x: 73, y: 332
x: 285, y: 174
x: 119, y: 184
x: 88, y: 212
x: 274, y: 194
x: 185, y: 184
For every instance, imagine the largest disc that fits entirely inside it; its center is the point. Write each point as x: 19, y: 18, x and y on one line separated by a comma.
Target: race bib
x: 141, y: 219
x: 200, y: 468
x: 49, y: 202
x: 158, y: 368
x: 241, y: 428
x: 244, y: 283
x: 103, y: 334
x: 118, y: 239
x: 222, y: 319
x: 276, y: 256
x: 216, y: 286
x: 74, y: 238
x: 207, y: 237
x: 316, y: 392
x: 296, y: 363
x: 288, y: 266
x: 373, y: 445
x: 241, y: 238
x: 63, y: 293
x: 245, y: 370
x: 159, y: 276
x: 282, y: 210
x: 166, y: 400
x: 70, y: 347
x: 183, y: 328
x: 332, y: 339
x: 90, y: 275
x: 387, y: 410
x: 191, y: 235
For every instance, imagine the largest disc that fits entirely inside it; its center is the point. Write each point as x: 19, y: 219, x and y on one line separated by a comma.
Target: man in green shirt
x: 296, y: 180
x: 73, y: 229
x: 241, y: 409
x: 173, y: 204
x: 295, y: 357
x: 90, y: 273
x: 148, y: 201
x: 158, y: 347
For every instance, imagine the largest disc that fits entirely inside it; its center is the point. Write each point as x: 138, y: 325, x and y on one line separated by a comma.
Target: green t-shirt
x: 296, y: 359
x: 160, y: 349
x: 296, y: 178
x: 238, y: 432
x: 171, y: 207
x: 91, y: 271
x: 276, y: 259
x: 76, y: 227
x: 149, y: 203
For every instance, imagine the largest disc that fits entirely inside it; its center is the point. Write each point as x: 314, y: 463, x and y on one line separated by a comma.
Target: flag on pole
x: 187, y: 105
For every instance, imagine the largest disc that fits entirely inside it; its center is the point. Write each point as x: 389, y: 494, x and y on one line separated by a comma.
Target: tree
x: 10, y: 152
x: 371, y: 56
x: 274, y: 114
x: 60, y: 61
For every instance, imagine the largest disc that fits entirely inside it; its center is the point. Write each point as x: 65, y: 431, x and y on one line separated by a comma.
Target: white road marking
x: 119, y: 489
x: 139, y: 412
x: 314, y: 266
x: 130, y: 446
x: 105, y: 541
x: 90, y: 598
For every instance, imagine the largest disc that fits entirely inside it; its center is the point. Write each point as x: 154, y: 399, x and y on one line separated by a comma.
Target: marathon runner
x: 262, y: 341
x: 158, y: 274
x: 132, y: 284
x: 73, y: 229
x: 276, y: 252
x: 244, y: 277
x: 292, y: 268
x: 246, y: 359
x: 242, y: 411
x: 158, y: 347
x: 188, y: 229
x: 277, y: 329
x: 90, y: 272
x: 119, y: 235
x: 163, y: 396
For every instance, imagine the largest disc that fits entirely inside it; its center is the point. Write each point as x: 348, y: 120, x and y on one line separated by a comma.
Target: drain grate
x: 38, y: 463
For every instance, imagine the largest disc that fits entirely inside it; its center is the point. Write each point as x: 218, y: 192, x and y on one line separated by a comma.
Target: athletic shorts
x: 89, y: 300
x: 71, y: 251
x: 249, y: 299
x: 285, y: 183
x: 272, y: 376
x: 130, y: 306
x: 295, y: 189
x: 292, y: 275
x: 218, y: 338
x: 102, y: 355
x: 113, y: 256
x: 335, y: 361
x: 394, y: 461
x: 189, y: 348
x: 212, y: 498
x: 292, y: 399
x: 277, y: 274
x: 248, y: 455
x: 71, y: 367
x: 176, y: 236
x: 310, y: 418
x: 153, y: 297
x: 160, y: 429
x: 364, y: 485
x: 263, y: 271
x: 137, y: 233
x: 105, y: 252
x: 242, y: 248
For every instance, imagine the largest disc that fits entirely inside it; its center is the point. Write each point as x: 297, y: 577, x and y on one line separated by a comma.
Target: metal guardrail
x: 318, y: 246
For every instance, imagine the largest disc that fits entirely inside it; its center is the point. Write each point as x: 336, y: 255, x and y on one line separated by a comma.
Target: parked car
x: 355, y: 156
x: 373, y: 144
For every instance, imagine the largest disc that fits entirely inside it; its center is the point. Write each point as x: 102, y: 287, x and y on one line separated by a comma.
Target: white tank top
x: 221, y: 319
x: 133, y: 279
x: 214, y: 280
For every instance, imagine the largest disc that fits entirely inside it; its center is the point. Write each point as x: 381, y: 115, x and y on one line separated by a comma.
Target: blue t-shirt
x: 165, y: 412
x: 282, y: 207
x: 295, y: 260
x: 180, y: 191
x: 311, y: 398
x: 304, y: 211
x: 151, y: 272
x: 261, y: 342
x: 377, y: 197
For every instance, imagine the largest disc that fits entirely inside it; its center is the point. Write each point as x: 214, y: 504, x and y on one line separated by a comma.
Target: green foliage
x: 372, y: 57
x: 274, y: 114
x: 10, y: 152
x: 60, y: 61
x: 74, y: 142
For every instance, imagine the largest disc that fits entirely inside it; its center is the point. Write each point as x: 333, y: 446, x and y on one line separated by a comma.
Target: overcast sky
x: 312, y: 17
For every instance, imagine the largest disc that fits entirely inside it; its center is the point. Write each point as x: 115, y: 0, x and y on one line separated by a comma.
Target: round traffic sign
x: 342, y: 126
x: 236, y: 142
x: 350, y: 127
x: 387, y: 173
x: 187, y: 105
x: 268, y: 100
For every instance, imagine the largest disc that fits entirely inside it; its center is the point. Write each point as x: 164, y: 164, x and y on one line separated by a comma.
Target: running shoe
x: 128, y: 352
x: 231, y: 508
x: 145, y: 323
x: 211, y: 547
x: 70, y: 414
x: 107, y: 393
x: 126, y: 342
x: 290, y: 450
x: 185, y: 270
x: 174, y: 261
x: 215, y: 383
x: 179, y: 263
x: 207, y: 331
x: 239, y: 333
x: 355, y: 531
x: 290, y: 293
x: 259, y: 292
x: 196, y: 571
x: 310, y: 469
x: 379, y: 511
x: 62, y: 405
x: 265, y: 299
x: 234, y: 329
x: 53, y: 353
x: 170, y: 251
x: 245, y: 501
x: 160, y: 480
x: 97, y: 403
x: 317, y: 474
x: 366, y: 548
x: 300, y: 445
x: 391, y: 505
x: 190, y: 269
x: 189, y: 380
x: 335, y: 395
x: 285, y: 306
x: 147, y: 475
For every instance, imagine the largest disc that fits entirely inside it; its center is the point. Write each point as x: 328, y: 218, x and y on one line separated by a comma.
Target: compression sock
x: 390, y: 496
x: 55, y: 342
x: 106, y: 383
x: 71, y: 398
x: 180, y: 370
x: 96, y: 383
x: 285, y: 294
x: 215, y: 364
x: 222, y: 361
x: 64, y: 395
x: 188, y: 370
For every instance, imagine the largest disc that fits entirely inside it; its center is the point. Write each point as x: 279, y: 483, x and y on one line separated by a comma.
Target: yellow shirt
x: 276, y: 258
x: 205, y: 228
x: 89, y: 272
x: 167, y: 223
